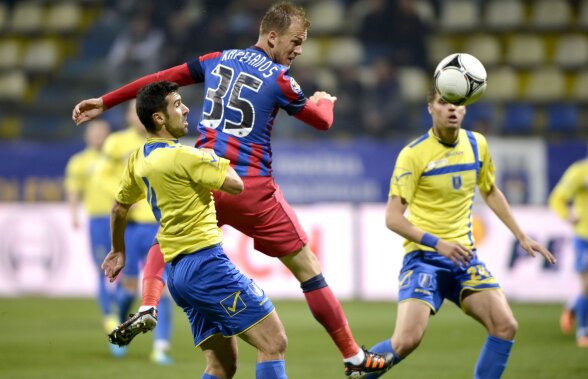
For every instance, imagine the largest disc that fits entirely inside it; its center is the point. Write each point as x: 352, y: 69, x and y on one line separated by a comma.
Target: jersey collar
x: 431, y: 133
x: 159, y: 139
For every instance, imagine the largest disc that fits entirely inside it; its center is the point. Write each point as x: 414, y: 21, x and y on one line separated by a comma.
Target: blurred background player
x: 435, y: 177
x: 220, y: 301
x: 244, y: 91
x: 140, y: 232
x: 569, y: 200
x: 80, y: 179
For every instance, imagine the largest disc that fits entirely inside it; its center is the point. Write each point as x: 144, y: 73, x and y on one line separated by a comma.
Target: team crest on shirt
x: 256, y: 289
x: 456, y: 181
x: 295, y: 86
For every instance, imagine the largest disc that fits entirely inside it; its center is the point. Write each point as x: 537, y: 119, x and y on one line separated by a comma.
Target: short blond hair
x: 279, y: 18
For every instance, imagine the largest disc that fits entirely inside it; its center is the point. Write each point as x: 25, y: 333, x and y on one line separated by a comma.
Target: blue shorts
x: 217, y: 298
x: 431, y: 278
x: 100, y: 238
x: 581, y: 248
x: 138, y: 240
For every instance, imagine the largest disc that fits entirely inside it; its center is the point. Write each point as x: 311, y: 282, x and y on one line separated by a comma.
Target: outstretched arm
x: 499, y: 205
x: 318, y: 111
x: 73, y: 201
x: 89, y: 109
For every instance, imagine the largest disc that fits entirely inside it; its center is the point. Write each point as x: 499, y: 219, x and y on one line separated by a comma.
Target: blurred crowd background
x: 377, y: 56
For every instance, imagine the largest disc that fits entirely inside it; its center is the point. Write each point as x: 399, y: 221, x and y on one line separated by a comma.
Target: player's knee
x: 406, y: 343
x: 278, y: 344
x: 507, y: 329
x: 218, y: 369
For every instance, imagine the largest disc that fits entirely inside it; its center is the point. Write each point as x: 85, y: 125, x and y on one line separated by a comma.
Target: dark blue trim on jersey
x: 474, y: 144
x: 470, y: 228
x: 421, y: 139
x: 196, y: 71
x: 151, y: 147
x: 450, y: 169
x: 447, y: 144
x: 152, y: 200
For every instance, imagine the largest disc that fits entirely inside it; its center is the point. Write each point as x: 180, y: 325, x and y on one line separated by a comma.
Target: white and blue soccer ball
x: 460, y: 79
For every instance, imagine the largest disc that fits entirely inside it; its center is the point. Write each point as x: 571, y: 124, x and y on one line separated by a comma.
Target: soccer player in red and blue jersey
x: 244, y: 91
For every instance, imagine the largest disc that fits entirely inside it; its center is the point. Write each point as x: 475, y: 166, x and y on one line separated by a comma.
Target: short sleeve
x: 569, y: 183
x: 405, y: 177
x: 202, y: 167
x: 73, y: 175
x: 290, y: 96
x: 129, y: 191
x: 487, y: 170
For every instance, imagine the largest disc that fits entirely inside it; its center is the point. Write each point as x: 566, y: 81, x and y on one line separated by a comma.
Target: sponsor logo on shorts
x: 405, y: 279
x: 233, y: 304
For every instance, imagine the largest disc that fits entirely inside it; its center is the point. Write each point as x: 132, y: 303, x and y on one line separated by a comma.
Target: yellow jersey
x: 572, y: 189
x: 80, y: 170
x: 176, y: 180
x: 116, y: 151
x: 438, y: 182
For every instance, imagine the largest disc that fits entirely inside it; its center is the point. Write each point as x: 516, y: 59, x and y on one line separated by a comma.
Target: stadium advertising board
x: 41, y: 254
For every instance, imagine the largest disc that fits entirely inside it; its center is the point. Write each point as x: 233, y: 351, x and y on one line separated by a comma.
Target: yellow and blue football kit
x: 572, y: 191
x: 438, y: 182
x: 142, y: 226
x: 80, y: 174
x: 177, y: 181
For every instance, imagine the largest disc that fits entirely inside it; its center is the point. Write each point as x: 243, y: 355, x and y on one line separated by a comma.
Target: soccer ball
x: 460, y: 79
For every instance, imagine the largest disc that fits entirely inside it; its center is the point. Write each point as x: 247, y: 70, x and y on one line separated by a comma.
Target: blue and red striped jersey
x: 243, y: 90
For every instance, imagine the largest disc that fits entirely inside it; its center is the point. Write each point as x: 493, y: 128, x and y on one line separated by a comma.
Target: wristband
x: 429, y: 240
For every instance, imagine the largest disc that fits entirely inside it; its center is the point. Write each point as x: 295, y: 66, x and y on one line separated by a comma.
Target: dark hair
x: 279, y: 17
x: 151, y: 99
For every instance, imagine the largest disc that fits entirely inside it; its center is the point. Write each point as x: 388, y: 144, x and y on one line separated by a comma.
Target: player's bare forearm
x: 499, y: 205
x: 496, y: 200
x: 87, y: 110
x: 398, y: 223
x: 73, y: 200
x: 118, y: 224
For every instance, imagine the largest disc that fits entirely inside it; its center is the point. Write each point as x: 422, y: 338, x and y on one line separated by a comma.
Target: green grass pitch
x: 62, y: 339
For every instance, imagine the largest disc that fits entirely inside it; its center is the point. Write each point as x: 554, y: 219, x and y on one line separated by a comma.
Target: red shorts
x: 262, y: 213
